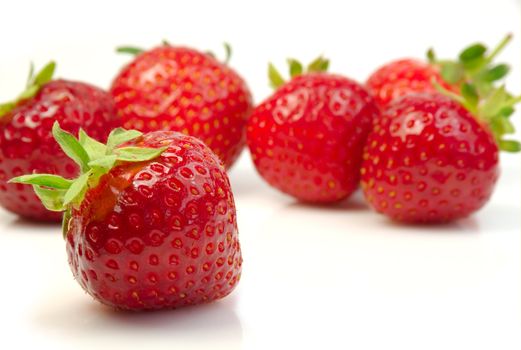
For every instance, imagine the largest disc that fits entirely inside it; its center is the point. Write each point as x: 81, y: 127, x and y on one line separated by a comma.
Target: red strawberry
x: 307, y: 138
x: 406, y: 76
x: 26, y: 143
x: 403, y: 77
x: 148, y: 225
x: 428, y: 159
x: 181, y: 89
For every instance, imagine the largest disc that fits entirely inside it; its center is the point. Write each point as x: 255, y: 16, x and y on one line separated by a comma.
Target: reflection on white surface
x: 322, y: 277
x: 212, y: 326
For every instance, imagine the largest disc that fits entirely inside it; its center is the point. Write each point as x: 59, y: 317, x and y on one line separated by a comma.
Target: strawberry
x: 26, y: 143
x: 307, y: 138
x: 430, y: 159
x: 181, y: 89
x: 405, y: 76
x: 150, y: 223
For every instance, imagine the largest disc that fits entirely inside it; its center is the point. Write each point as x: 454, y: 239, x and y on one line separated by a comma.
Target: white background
x: 321, y: 278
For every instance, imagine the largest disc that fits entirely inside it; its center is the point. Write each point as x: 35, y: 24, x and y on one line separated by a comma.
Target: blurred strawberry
x: 181, y: 89
x: 433, y: 157
x: 404, y: 76
x: 307, y: 138
x: 26, y: 142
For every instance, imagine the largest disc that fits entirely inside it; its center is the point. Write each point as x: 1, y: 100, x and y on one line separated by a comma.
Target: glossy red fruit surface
x: 181, y: 89
x: 158, y: 234
x: 27, y: 145
x: 429, y: 160
x: 403, y: 77
x: 307, y: 138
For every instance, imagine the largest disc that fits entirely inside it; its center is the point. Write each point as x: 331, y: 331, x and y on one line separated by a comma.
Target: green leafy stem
x: 94, y: 159
x: 477, y: 77
x: 34, y: 84
x: 320, y: 64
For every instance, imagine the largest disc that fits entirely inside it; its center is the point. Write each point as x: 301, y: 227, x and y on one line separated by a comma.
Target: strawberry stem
x: 499, y: 48
x: 130, y: 50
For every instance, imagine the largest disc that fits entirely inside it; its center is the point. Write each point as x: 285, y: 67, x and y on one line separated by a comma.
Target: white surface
x: 316, y: 278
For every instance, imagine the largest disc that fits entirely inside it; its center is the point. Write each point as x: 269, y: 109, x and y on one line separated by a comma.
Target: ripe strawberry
x: 307, y: 138
x: 26, y: 143
x: 428, y: 159
x: 405, y: 76
x: 181, y: 89
x: 150, y: 224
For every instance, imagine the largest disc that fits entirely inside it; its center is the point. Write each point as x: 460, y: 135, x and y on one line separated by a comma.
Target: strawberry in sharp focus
x: 26, y: 142
x: 307, y: 138
x: 151, y: 221
x: 181, y: 89
x: 405, y: 76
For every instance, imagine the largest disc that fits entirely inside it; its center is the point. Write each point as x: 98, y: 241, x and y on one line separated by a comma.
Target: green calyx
x: 481, y: 93
x: 34, y: 84
x: 320, y: 64
x: 134, y: 51
x: 227, y: 53
x: 94, y: 158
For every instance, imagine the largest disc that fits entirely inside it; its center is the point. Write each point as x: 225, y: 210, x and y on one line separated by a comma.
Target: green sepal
x: 451, y: 72
x: 45, y: 75
x: 494, y: 103
x: 480, y: 93
x: 130, y: 50
x: 77, y: 190
x: 296, y: 68
x: 495, y: 73
x: 30, y: 77
x: 31, y: 91
x: 95, y: 160
x: 470, y: 93
x: 51, y: 199
x: 34, y: 84
x: 71, y: 146
x: 320, y: 64
x: 105, y: 162
x: 119, y: 136
x: 65, y: 222
x: 94, y: 148
x: 507, y: 111
x: 227, y: 52
x: 511, y: 146
x: 472, y: 53
x: 6, y: 107
x: 47, y: 180
x: 137, y: 154
x: 276, y: 80
x: 431, y: 56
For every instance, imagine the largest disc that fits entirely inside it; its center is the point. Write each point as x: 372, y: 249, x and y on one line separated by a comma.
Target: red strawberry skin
x: 181, y: 89
x: 307, y: 138
x: 27, y: 145
x: 428, y: 160
x: 402, y: 77
x: 158, y: 234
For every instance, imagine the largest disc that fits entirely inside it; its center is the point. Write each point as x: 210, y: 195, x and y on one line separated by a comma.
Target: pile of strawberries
x: 148, y: 213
